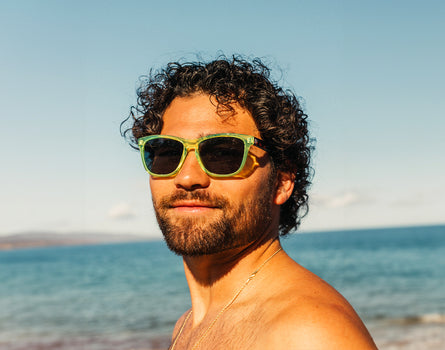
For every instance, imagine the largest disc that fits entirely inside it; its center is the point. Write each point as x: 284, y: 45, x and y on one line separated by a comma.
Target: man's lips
x: 192, y: 206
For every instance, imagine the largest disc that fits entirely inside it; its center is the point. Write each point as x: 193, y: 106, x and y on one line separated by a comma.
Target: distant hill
x: 45, y: 239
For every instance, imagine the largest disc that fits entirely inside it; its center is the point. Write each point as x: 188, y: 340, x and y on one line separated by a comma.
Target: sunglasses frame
x: 193, y: 144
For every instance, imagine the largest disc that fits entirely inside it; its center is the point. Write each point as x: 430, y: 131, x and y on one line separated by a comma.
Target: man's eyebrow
x: 204, y: 134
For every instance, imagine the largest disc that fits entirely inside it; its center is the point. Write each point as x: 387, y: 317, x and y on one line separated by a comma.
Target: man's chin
x: 197, y: 237
x: 189, y: 227
x: 194, y: 250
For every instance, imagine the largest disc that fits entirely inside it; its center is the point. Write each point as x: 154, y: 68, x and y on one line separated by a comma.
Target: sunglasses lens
x: 222, y: 155
x: 162, y: 155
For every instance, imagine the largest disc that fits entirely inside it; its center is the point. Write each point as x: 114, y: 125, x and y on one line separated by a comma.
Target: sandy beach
x: 410, y: 337
x: 393, y: 337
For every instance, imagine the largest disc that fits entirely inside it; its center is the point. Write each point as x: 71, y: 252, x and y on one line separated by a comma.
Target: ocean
x: 127, y: 296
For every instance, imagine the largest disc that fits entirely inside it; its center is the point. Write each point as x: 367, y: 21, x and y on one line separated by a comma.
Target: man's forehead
x: 198, y: 115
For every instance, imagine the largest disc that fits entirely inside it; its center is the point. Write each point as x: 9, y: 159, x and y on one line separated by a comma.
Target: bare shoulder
x: 180, y: 323
x: 318, y: 325
x: 310, y: 314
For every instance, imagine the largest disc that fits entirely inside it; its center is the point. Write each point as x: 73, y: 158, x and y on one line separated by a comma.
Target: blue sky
x: 371, y: 76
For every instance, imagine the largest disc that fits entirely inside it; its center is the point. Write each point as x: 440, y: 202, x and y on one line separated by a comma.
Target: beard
x: 229, y: 226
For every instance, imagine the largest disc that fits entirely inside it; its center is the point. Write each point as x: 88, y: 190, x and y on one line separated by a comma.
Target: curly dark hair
x: 277, y: 113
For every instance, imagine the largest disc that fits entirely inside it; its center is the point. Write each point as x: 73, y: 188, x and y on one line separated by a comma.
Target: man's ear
x: 284, y: 187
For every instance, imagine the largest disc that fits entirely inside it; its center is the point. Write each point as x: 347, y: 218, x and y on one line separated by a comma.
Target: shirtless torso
x: 284, y: 306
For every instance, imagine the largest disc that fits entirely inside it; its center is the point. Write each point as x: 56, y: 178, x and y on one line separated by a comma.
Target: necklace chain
x: 204, y: 334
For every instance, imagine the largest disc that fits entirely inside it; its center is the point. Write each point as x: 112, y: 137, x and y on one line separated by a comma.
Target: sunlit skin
x: 285, y: 306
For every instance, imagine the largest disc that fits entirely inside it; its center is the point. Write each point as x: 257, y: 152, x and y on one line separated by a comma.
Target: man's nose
x: 191, y: 176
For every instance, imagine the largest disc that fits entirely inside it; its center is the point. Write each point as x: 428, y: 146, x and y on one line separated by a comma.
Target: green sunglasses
x: 219, y: 155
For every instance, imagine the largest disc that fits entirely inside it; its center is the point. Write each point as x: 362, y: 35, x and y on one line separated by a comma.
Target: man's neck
x: 214, y: 279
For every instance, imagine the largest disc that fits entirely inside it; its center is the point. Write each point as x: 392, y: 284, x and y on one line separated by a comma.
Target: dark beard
x: 234, y: 227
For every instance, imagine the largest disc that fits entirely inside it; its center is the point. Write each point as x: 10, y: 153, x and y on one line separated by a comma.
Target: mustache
x: 201, y: 196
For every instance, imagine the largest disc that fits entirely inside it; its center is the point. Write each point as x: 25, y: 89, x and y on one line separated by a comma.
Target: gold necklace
x: 204, y: 334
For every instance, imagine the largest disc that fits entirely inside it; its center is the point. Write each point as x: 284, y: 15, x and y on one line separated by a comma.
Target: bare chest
x: 238, y: 329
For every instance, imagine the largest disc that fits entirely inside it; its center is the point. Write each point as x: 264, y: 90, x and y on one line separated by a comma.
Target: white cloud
x: 340, y: 200
x: 121, y: 211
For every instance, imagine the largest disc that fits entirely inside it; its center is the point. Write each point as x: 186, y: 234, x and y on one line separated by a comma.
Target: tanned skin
x: 285, y: 306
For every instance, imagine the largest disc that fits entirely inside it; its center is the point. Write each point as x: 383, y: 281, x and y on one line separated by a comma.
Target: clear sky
x: 371, y: 75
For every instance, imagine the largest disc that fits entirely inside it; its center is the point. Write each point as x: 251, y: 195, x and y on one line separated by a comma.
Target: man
x: 228, y: 155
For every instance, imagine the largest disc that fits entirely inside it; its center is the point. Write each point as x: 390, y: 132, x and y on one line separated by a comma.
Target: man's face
x: 199, y: 214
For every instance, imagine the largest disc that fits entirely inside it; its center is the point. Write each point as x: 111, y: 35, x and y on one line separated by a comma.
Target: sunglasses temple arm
x: 260, y: 144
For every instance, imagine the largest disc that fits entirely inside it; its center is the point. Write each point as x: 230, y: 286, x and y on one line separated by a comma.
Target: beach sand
x: 387, y: 337
x: 88, y: 343
x: 409, y: 337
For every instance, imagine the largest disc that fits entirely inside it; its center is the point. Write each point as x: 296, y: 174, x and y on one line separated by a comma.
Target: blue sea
x: 128, y: 296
